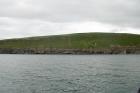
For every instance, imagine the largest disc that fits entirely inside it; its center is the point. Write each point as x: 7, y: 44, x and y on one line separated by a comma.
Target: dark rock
x: 69, y: 51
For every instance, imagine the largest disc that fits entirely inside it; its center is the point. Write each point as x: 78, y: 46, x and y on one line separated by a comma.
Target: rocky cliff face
x: 69, y: 51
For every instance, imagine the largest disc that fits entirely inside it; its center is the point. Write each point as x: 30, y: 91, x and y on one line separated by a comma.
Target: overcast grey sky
x: 21, y: 18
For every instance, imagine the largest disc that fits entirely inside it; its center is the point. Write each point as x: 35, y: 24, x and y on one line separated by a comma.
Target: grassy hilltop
x: 74, y: 41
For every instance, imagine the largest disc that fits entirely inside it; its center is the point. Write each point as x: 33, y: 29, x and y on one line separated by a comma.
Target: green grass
x: 80, y: 40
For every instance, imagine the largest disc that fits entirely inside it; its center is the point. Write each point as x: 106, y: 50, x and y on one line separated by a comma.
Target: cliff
x: 81, y: 43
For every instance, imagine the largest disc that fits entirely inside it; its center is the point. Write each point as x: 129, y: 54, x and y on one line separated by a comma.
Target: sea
x: 69, y: 73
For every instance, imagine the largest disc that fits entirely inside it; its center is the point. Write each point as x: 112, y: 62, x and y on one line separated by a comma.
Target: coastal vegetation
x: 79, y: 41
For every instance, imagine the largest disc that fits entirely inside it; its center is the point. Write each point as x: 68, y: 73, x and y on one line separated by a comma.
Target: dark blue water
x: 69, y: 73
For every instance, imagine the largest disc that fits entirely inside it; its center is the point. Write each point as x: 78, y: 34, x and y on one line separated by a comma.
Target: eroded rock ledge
x: 69, y: 51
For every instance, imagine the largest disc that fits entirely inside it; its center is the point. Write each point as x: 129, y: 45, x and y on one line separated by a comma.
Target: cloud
x: 120, y: 12
x: 20, y: 18
x: 16, y: 28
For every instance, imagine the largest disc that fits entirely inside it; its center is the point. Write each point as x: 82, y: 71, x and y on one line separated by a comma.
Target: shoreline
x: 69, y: 51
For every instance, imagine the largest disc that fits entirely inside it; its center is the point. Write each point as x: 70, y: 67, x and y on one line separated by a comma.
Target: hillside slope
x: 74, y: 41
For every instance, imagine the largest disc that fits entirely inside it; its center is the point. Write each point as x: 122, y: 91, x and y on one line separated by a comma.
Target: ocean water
x: 69, y: 73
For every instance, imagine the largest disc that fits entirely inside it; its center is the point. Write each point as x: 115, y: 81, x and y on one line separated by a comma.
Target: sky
x: 25, y: 18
